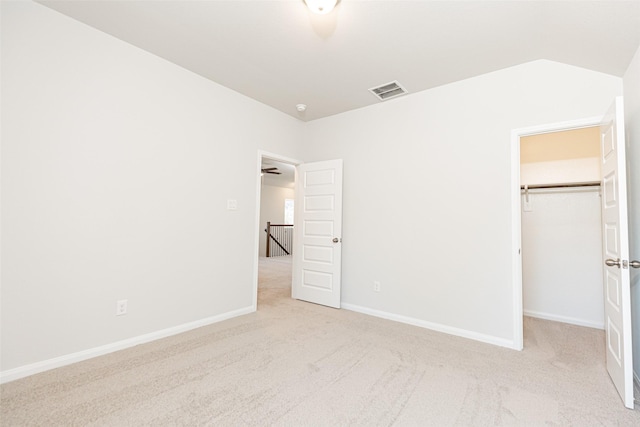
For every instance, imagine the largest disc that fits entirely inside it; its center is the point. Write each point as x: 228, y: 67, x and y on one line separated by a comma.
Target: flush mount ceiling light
x: 321, y: 7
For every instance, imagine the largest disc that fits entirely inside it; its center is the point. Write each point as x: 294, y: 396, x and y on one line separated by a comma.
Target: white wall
x: 116, y: 170
x: 562, y: 256
x: 272, y: 209
x: 632, y: 124
x: 427, y: 198
x: 561, y: 171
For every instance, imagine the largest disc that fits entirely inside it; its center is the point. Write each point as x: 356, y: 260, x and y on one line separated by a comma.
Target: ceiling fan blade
x: 271, y: 170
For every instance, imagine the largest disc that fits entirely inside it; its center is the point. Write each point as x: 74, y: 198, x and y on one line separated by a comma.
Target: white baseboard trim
x: 68, y: 359
x: 489, y: 339
x: 563, y: 319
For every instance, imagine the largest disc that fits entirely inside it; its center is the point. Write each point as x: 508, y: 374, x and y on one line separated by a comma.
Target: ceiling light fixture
x: 301, y: 107
x: 321, y: 7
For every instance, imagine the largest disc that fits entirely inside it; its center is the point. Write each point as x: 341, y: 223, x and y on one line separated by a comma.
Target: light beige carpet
x: 298, y: 364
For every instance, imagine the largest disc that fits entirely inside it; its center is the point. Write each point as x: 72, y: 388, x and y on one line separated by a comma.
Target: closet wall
x: 561, y: 228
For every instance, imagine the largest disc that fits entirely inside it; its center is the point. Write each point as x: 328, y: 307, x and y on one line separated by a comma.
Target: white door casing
x: 318, y: 236
x: 516, y: 207
x: 617, y: 291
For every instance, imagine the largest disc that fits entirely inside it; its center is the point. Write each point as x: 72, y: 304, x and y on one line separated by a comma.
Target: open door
x: 318, y: 236
x: 615, y: 240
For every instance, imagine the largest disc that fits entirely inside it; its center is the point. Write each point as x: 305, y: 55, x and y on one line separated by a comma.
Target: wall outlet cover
x: 121, y: 307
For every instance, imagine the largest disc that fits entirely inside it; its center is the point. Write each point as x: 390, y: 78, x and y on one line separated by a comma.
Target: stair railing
x: 279, y: 239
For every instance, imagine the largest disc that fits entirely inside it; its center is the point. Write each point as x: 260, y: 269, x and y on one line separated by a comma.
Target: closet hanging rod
x: 577, y: 184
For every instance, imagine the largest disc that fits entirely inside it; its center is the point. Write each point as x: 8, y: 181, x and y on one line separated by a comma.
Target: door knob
x: 634, y: 264
x: 612, y: 263
x: 336, y: 240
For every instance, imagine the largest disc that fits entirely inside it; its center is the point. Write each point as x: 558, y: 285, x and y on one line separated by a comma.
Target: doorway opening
x: 544, y: 184
x: 616, y: 280
x: 562, y: 227
x: 274, y: 228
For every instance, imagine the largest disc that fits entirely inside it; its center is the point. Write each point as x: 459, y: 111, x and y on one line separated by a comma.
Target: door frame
x: 516, y: 214
x: 256, y: 247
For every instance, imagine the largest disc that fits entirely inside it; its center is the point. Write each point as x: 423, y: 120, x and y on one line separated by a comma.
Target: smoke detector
x: 388, y: 90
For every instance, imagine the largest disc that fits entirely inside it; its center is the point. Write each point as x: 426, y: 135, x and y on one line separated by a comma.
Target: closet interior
x: 561, y: 227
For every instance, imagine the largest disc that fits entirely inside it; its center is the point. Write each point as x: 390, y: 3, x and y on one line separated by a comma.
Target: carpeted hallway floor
x: 298, y: 364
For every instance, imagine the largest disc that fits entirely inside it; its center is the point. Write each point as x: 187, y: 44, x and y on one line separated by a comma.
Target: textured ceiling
x: 279, y: 53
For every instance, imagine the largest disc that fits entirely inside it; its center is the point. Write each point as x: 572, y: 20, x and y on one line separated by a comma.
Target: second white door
x: 617, y: 292
x: 318, y: 235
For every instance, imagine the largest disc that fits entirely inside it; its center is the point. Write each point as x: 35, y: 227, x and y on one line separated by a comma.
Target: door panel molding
x: 617, y: 308
x: 316, y: 274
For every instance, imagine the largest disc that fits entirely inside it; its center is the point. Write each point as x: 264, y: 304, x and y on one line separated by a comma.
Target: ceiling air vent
x: 388, y: 91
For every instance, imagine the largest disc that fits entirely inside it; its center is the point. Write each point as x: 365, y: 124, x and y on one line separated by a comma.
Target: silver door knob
x: 336, y: 240
x: 634, y: 264
x: 612, y: 263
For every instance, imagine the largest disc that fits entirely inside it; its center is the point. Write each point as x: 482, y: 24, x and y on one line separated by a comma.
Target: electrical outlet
x: 376, y: 286
x: 121, y: 307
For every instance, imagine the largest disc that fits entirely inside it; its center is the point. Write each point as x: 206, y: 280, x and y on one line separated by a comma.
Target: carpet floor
x: 293, y: 363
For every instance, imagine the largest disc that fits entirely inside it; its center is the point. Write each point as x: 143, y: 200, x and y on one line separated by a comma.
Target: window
x: 288, y: 211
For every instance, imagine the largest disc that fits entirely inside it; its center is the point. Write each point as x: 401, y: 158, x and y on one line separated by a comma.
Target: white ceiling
x: 279, y: 53
x: 286, y: 177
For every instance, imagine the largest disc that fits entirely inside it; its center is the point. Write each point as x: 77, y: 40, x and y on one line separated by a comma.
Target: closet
x: 561, y: 227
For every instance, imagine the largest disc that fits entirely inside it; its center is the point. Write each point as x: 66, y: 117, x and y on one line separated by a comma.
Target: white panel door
x: 617, y: 292
x: 318, y: 233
